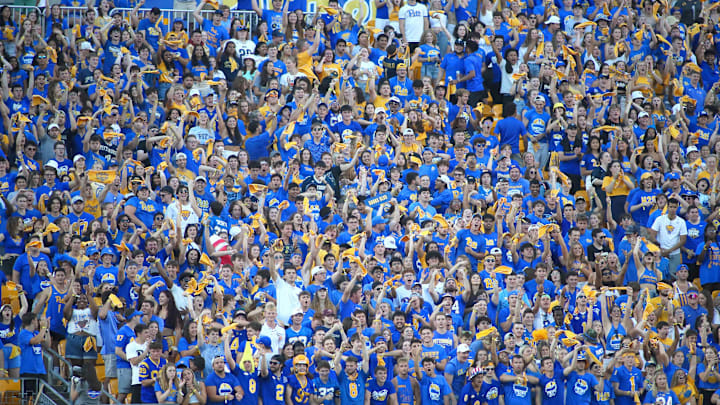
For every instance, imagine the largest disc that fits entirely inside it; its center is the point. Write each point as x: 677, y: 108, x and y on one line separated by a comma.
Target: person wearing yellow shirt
x: 617, y: 186
x: 327, y: 66
x: 180, y: 169
x: 307, y: 49
x: 408, y: 144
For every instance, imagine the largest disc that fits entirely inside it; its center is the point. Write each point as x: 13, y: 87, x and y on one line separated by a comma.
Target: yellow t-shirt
x: 620, y: 187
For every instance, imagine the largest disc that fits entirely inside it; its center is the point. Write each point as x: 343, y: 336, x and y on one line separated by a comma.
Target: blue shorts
x: 74, y: 348
x: 10, y: 363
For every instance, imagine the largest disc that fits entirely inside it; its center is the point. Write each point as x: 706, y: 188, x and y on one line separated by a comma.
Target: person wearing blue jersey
x: 379, y: 390
x: 457, y: 368
x: 125, y: 335
x: 627, y: 380
x: 407, y: 388
x: 149, y: 372
x: 299, y: 387
x: 434, y: 389
x: 327, y: 387
x: 352, y: 376
x: 708, y: 258
x: 472, y: 392
x: 604, y: 395
x: 471, y: 242
x: 272, y: 380
x: 580, y: 384
x: 221, y: 387
x: 662, y: 393
x: 243, y: 368
x: 51, y: 301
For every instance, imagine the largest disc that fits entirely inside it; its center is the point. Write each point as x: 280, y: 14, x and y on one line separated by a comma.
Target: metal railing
x: 75, y: 15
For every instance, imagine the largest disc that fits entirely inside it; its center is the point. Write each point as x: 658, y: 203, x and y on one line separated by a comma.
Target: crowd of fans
x: 460, y: 202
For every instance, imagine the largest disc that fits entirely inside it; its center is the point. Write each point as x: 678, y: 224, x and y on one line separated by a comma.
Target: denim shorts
x: 74, y: 348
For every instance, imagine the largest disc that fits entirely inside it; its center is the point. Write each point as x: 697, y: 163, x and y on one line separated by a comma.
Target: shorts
x: 11, y: 363
x: 74, y: 348
x: 124, y: 376
x: 57, y: 336
x: 111, y: 370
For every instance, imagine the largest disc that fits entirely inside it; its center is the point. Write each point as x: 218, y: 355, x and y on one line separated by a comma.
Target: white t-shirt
x: 83, y: 321
x: 187, y: 215
x: 182, y: 301
x: 287, y: 299
x: 276, y: 335
x: 669, y: 231
x: 132, y: 350
x: 203, y: 135
x: 414, y: 17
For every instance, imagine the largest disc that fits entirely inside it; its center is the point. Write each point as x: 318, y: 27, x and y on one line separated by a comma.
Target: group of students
x: 452, y: 202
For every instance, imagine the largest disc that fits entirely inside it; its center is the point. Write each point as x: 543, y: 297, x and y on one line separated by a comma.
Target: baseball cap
x: 264, y: 340
x: 394, y: 99
x: 643, y: 114
x: 316, y: 270
x: 553, y: 20
x: 463, y: 348
x: 77, y: 198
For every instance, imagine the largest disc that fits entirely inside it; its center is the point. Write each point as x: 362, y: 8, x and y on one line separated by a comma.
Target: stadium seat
x: 10, y: 392
x: 113, y: 387
x: 10, y: 296
x: 100, y: 371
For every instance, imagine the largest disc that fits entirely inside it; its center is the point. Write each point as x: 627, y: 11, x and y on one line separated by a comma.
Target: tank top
x: 648, y: 277
x: 82, y: 321
x: 614, y: 338
x: 404, y: 391
x: 54, y: 310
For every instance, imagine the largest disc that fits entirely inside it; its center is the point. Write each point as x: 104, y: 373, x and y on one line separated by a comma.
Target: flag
x: 102, y: 176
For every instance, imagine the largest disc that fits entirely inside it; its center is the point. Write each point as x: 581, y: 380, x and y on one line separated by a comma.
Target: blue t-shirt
x: 379, y: 393
x: 580, y: 388
x: 510, y: 130
x: 433, y: 389
x: 31, y: 359
x: 125, y: 335
x: 223, y: 386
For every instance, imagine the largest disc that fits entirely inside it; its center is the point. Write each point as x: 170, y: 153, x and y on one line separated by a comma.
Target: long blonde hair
x: 163, y: 379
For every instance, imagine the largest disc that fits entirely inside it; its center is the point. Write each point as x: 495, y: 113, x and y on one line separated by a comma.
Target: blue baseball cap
x: 378, y: 220
x: 134, y: 314
x: 107, y: 251
x: 672, y: 176
x: 264, y: 340
x: 91, y: 250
